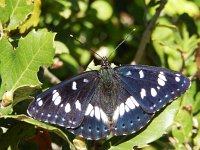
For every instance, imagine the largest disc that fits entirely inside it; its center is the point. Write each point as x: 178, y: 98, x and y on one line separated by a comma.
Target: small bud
x: 79, y: 143
x: 7, y: 98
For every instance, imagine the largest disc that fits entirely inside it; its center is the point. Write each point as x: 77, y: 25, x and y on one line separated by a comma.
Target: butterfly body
x: 119, y: 100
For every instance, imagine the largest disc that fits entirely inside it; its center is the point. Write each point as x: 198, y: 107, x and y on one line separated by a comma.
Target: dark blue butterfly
x: 119, y: 100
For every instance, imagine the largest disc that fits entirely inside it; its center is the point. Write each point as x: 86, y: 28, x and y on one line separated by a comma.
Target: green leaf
x: 84, y: 56
x: 15, y: 11
x: 161, y: 35
x: 196, y: 139
x: 14, y: 135
x: 182, y: 129
x: 42, y: 125
x: 103, y: 9
x: 184, y: 6
x: 196, y: 106
x: 18, y: 68
x: 34, y: 19
x: 6, y: 110
x: 61, y: 47
x: 183, y: 126
x: 152, y: 132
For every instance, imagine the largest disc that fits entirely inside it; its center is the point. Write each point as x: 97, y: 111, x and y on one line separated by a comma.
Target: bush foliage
x: 36, y: 52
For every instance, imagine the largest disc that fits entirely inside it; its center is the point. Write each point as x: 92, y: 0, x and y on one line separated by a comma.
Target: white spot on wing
x: 143, y: 93
x: 129, y: 103
x: 40, y: 102
x: 92, y: 113
x: 103, y: 116
x: 88, y: 110
x: 161, y: 82
x: 97, y: 112
x: 55, y: 95
x: 121, y: 109
x: 74, y: 85
x: 134, y: 101
x: 78, y: 105
x: 127, y: 108
x: 153, y: 92
x: 177, y: 79
x: 141, y: 74
x: 57, y: 101
x: 116, y: 114
x: 162, y: 76
x: 67, y: 108
x: 38, y: 99
x: 85, y: 80
x: 128, y: 73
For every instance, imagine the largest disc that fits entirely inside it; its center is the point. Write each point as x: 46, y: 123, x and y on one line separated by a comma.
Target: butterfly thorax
x: 107, y: 80
x: 106, y: 73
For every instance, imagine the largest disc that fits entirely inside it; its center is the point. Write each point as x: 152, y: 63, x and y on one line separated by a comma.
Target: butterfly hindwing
x: 64, y: 104
x: 152, y: 87
x: 96, y: 124
x: 92, y: 127
x: 128, y: 116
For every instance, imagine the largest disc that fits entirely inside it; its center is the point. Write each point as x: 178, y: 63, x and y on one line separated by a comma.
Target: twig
x: 147, y: 33
x: 145, y: 16
x: 51, y: 77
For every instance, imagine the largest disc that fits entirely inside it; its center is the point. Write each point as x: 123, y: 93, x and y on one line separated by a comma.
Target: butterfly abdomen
x: 108, y: 83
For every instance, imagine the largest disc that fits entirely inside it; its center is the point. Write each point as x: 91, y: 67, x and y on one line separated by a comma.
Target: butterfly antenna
x: 85, y: 46
x: 122, y: 42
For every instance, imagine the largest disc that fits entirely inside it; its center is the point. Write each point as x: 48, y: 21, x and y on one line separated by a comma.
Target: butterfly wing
x: 128, y: 116
x: 143, y: 91
x: 95, y: 124
x: 65, y: 103
x: 152, y: 87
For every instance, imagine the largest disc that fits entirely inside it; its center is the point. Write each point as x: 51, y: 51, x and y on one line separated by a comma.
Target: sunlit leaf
x: 15, y: 12
x: 34, y: 50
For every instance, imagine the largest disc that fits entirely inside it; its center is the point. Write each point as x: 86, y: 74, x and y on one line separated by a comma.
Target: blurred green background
x: 161, y: 33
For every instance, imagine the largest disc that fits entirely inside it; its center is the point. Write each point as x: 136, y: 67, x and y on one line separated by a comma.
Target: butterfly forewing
x: 152, y: 87
x: 65, y: 103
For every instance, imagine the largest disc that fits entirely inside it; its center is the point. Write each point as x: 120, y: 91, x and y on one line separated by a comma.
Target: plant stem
x: 147, y: 33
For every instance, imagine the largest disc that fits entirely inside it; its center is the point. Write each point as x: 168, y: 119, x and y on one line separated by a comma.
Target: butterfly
x: 118, y: 101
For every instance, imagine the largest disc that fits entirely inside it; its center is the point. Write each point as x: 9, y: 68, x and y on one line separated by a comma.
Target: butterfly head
x: 105, y: 64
